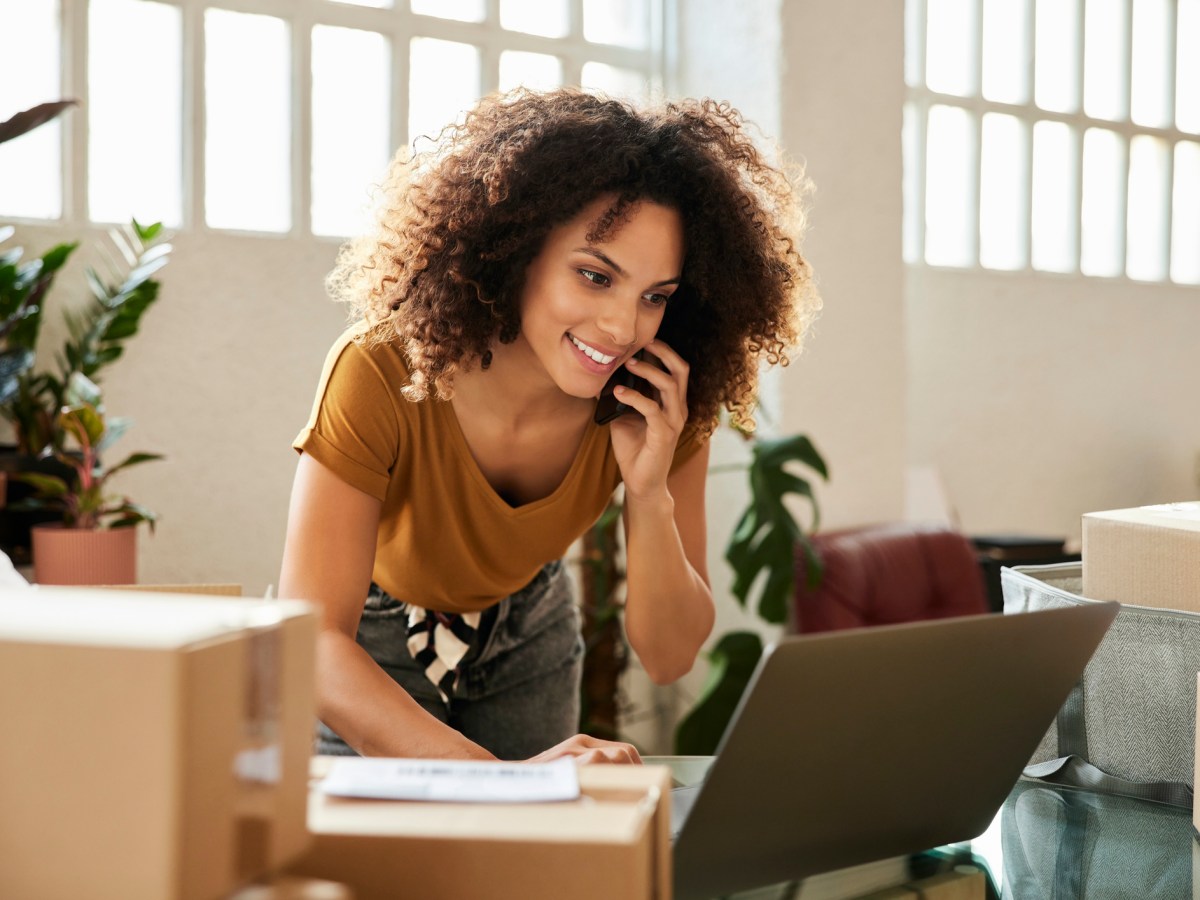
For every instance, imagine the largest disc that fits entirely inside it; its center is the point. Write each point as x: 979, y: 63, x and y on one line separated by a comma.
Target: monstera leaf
x: 767, y: 534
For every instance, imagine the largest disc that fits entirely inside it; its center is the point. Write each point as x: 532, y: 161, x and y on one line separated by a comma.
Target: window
x: 1055, y: 136
x: 261, y: 117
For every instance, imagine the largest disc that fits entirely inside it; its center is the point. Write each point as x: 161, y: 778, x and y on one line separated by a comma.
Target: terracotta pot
x: 83, y: 556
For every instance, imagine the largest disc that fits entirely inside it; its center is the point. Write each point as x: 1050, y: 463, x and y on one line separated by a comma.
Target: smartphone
x: 608, y: 407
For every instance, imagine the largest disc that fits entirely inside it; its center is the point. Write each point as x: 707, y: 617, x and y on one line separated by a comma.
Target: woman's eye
x: 657, y: 299
x: 594, y: 277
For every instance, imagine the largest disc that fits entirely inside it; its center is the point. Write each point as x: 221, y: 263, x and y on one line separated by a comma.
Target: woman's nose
x: 618, y: 321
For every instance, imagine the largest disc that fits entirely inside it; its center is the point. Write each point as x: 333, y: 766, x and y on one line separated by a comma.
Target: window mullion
x: 1031, y: 85
x: 1077, y: 131
x: 401, y: 34
x: 195, y: 110
x: 74, y: 135
x: 976, y: 156
x: 302, y: 141
x: 1170, y: 63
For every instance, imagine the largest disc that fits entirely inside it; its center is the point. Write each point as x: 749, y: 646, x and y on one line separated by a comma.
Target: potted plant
x: 95, y: 539
x: 30, y: 398
x: 764, y: 541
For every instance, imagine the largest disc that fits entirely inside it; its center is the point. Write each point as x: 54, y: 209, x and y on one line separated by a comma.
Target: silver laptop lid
x: 857, y: 745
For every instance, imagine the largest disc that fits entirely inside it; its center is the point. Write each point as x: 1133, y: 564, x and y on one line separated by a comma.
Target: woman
x: 453, y: 453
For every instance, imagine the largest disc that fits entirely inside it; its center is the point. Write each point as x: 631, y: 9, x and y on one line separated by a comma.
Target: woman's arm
x: 327, y: 560
x: 669, y: 606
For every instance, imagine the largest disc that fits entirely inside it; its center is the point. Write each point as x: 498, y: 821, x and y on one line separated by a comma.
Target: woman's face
x: 587, y: 307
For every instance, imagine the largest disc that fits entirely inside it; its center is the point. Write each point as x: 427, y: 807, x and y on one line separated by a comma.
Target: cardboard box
x: 156, y: 746
x: 294, y: 889
x: 1149, y: 556
x: 612, y: 842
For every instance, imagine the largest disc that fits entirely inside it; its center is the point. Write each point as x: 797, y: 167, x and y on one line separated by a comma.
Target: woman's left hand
x: 644, y: 444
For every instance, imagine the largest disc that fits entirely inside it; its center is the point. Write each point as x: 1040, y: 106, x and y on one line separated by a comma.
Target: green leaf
x: 132, y: 460
x: 45, y: 485
x: 798, y: 448
x: 147, y: 233
x: 773, y: 601
x: 732, y: 663
x: 84, y: 423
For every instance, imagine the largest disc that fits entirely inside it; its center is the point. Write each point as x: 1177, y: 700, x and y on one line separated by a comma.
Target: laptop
x: 854, y: 746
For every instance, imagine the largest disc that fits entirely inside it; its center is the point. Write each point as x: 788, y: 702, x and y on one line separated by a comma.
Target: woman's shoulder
x: 360, y: 349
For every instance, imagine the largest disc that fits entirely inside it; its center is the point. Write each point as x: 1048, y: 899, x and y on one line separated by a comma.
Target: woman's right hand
x: 587, y: 749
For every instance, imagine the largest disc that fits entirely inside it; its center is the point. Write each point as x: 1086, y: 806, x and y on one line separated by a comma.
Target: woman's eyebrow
x: 607, y: 260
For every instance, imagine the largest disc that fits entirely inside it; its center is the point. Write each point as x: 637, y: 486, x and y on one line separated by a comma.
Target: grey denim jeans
x: 518, y: 691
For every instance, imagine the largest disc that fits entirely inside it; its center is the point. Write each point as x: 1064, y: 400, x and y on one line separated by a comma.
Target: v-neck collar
x: 463, y: 449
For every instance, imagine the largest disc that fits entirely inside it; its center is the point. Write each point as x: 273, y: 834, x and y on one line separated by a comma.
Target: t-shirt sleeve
x: 691, y: 439
x: 353, y: 429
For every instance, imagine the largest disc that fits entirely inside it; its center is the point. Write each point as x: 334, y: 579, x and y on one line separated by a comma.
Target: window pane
x: 379, y: 4
x: 247, y: 148
x: 1103, y: 233
x: 949, y: 40
x: 533, y: 70
x: 31, y: 176
x: 1054, y: 212
x: 443, y: 84
x: 545, y: 17
x: 622, y: 22
x: 606, y: 79
x: 1185, y: 233
x: 461, y: 10
x: 949, y: 177
x: 1187, y: 67
x: 135, y: 149
x: 351, y: 132
x: 1006, y: 50
x: 1003, y: 187
x: 1149, y: 91
x: 1148, y: 188
x: 1056, y: 80
x: 1104, y: 87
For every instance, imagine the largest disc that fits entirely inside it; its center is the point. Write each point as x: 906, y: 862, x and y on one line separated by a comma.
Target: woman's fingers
x: 587, y: 749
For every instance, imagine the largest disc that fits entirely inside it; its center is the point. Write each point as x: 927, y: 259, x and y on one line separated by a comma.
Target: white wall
x: 1041, y: 398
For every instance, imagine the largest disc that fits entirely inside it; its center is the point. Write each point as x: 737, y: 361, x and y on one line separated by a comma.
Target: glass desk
x: 1045, y: 843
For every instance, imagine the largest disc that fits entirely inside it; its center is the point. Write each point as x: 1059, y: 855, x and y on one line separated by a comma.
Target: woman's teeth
x: 591, y: 352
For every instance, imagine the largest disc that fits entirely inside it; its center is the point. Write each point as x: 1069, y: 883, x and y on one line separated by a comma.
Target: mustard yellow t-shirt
x: 446, y: 541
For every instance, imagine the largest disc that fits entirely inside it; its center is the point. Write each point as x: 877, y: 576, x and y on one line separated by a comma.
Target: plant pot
x: 84, y: 556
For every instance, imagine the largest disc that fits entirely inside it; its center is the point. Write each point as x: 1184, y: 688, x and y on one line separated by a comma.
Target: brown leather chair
x: 884, y: 574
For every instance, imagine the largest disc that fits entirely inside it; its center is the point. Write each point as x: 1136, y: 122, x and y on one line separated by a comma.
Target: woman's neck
x: 514, y: 387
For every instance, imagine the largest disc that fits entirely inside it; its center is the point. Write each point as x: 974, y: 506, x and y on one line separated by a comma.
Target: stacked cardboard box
x: 612, y: 842
x: 1149, y: 556
x: 157, y: 745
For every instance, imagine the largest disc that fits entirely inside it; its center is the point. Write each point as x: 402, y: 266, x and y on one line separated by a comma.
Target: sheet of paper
x: 453, y: 781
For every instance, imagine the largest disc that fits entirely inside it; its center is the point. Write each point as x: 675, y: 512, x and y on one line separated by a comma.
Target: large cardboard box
x: 293, y: 889
x: 156, y: 746
x: 612, y: 842
x: 1148, y: 556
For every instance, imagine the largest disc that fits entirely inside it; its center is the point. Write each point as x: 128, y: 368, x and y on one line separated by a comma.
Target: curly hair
x: 460, y: 222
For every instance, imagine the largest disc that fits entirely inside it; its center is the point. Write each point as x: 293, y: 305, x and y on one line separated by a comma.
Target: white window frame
x: 399, y: 25
x: 920, y: 98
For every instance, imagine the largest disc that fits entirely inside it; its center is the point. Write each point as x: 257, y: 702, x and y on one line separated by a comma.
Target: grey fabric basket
x: 1129, y: 727
x: 1062, y: 844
